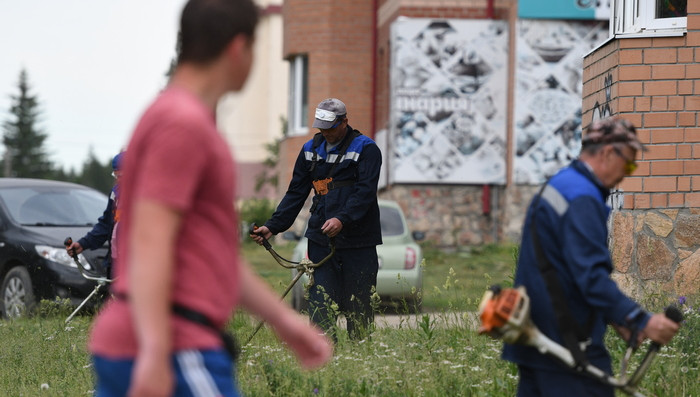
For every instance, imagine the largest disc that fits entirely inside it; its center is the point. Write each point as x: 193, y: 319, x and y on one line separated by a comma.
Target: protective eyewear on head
x: 630, y: 164
x: 337, y: 123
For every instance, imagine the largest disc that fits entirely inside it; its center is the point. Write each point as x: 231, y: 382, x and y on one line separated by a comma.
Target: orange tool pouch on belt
x: 321, y: 186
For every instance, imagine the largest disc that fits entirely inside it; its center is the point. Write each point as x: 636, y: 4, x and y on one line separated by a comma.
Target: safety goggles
x: 630, y: 164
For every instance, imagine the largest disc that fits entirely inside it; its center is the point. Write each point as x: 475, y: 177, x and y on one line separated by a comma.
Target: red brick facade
x: 337, y: 36
x: 654, y: 82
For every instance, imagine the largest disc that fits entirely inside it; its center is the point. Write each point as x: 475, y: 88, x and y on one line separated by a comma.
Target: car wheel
x: 17, y: 293
x: 299, y: 302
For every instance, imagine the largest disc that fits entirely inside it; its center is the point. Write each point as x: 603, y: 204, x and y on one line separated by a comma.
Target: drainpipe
x: 486, y: 199
x: 486, y: 189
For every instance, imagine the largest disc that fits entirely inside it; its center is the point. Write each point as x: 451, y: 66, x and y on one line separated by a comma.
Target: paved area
x: 438, y: 319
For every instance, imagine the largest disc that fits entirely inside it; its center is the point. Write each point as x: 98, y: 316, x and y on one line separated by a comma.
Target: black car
x: 35, y: 218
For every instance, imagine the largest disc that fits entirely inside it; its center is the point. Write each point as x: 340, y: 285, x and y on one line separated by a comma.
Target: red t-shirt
x: 177, y: 157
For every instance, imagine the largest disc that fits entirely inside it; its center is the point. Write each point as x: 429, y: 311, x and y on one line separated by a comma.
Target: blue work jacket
x: 354, y: 204
x: 571, y: 222
x: 101, y: 233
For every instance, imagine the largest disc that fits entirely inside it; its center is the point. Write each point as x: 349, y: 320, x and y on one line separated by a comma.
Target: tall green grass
x: 414, y: 358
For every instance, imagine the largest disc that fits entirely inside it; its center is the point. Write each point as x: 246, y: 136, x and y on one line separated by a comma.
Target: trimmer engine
x: 505, y: 314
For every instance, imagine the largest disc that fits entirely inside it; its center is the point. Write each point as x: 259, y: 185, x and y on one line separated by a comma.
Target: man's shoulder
x: 360, y: 142
x: 178, y: 106
x: 176, y: 114
x: 572, y: 185
x: 315, y: 141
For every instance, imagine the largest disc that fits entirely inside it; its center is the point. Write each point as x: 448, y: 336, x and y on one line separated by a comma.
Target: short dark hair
x: 208, y: 26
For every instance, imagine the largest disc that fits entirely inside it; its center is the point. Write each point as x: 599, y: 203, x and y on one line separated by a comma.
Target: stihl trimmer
x: 505, y: 314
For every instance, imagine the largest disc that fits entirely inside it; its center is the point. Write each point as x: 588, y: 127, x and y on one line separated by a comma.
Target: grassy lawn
x: 41, y: 356
x: 451, y: 280
x: 457, y: 280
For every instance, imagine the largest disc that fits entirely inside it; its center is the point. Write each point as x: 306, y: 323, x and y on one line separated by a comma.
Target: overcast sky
x: 94, y: 65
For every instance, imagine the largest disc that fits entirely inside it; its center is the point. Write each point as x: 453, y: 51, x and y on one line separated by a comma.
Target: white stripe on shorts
x: 196, y: 374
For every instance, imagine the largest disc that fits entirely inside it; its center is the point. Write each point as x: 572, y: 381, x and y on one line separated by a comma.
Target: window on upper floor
x: 298, y: 96
x: 644, y: 18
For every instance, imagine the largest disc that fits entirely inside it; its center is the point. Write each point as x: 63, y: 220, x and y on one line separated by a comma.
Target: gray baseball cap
x: 327, y: 112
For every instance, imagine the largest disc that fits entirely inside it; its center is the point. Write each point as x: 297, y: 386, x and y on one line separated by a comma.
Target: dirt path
x: 439, y: 319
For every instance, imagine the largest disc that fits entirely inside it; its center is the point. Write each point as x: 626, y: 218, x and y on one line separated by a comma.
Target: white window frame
x: 298, y: 121
x: 637, y: 18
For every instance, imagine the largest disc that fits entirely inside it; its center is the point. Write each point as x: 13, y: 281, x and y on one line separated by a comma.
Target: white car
x: 400, y: 276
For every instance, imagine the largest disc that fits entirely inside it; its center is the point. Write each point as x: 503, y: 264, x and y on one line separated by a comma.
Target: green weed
x: 41, y: 356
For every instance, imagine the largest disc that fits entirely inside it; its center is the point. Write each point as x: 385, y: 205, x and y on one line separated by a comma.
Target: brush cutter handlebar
x: 305, y: 266
x: 83, y: 271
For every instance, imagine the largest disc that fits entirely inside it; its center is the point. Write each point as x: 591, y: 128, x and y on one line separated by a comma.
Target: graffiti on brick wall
x: 603, y: 110
x: 448, y: 99
x: 547, y: 120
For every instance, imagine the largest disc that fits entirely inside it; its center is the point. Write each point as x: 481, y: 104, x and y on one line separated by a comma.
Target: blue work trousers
x: 343, y: 285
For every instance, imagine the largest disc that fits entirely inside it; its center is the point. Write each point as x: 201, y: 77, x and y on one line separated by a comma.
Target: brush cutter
x: 100, y: 279
x: 505, y: 314
x: 304, y: 266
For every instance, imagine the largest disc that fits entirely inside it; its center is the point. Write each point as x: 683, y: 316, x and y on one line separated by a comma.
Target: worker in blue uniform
x: 565, y: 242
x: 342, y: 167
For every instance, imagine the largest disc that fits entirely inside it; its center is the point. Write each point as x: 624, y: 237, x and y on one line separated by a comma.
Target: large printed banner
x: 565, y: 9
x: 448, y: 99
x: 548, y: 78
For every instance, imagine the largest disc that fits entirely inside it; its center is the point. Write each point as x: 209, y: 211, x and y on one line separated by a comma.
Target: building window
x: 298, y: 95
x: 644, y: 18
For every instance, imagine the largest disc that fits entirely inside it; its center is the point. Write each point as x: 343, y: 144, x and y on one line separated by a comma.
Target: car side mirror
x: 418, y: 236
x: 291, y: 236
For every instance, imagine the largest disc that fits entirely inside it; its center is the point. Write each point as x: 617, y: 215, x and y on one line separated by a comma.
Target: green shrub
x: 256, y: 211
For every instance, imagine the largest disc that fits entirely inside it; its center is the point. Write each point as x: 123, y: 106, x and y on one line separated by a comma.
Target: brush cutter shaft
x: 547, y: 346
x: 101, y: 280
x: 505, y: 314
x: 303, y: 267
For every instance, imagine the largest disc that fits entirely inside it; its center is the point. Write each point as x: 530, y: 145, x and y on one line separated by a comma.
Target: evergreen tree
x: 24, y: 155
x: 96, y: 175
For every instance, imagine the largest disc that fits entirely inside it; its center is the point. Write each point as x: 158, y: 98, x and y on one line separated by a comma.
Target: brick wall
x: 654, y: 82
x: 337, y: 36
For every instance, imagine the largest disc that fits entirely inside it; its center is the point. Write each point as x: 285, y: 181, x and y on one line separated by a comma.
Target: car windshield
x: 391, y: 221
x: 53, y: 206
